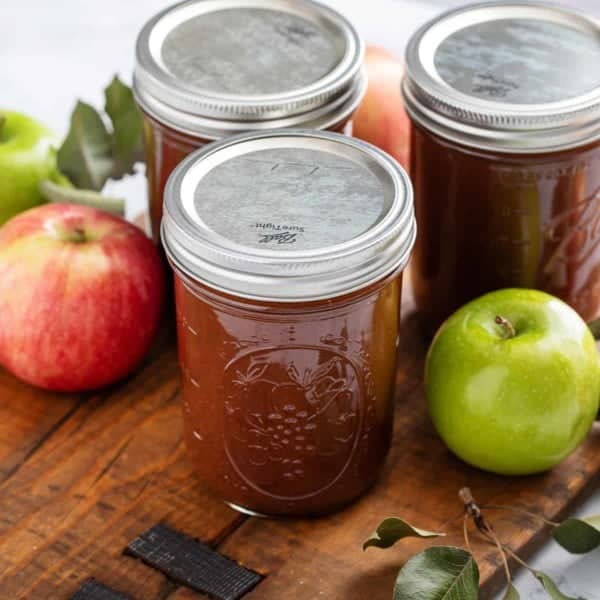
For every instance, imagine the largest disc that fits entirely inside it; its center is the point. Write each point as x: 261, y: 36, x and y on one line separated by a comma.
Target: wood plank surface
x: 82, y: 477
x: 110, y: 471
x: 32, y: 417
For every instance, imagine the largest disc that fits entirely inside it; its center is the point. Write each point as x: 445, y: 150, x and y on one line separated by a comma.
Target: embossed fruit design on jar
x: 208, y: 70
x: 316, y: 425
x: 288, y: 251
x: 505, y: 103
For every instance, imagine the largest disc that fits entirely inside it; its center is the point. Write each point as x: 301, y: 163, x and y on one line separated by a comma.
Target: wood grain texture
x: 83, y: 477
x: 32, y: 418
x: 110, y: 471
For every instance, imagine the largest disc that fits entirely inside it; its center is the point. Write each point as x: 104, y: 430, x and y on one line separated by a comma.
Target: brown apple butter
x: 288, y: 251
x: 207, y: 70
x: 288, y: 408
x: 505, y: 103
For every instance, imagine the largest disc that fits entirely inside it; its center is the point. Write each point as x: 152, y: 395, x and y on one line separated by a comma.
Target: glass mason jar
x: 288, y: 314
x: 206, y: 70
x: 505, y: 103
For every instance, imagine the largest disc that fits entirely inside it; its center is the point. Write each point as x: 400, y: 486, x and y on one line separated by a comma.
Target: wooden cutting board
x: 82, y: 476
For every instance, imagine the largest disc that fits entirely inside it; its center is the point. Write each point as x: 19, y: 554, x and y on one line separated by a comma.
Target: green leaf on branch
x: 578, y: 536
x: 128, y: 128
x: 551, y: 588
x: 85, y: 156
x: 54, y: 192
x: 439, y: 573
x: 93, y: 153
x: 511, y: 593
x: 392, y: 530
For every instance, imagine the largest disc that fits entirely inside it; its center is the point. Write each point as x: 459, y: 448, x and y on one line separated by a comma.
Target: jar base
x: 304, y: 514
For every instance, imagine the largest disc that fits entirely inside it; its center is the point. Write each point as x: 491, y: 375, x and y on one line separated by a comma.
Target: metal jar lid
x: 288, y: 216
x: 216, y: 67
x: 516, y: 77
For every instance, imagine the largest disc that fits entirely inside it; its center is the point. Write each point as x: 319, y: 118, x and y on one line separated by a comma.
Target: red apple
x: 80, y: 297
x: 381, y: 118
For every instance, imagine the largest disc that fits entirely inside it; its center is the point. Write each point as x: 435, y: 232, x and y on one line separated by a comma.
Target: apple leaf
x: 54, y: 192
x: 392, y: 530
x: 439, y: 573
x: 578, y: 536
x: 551, y: 588
x: 91, y: 153
x: 85, y: 156
x: 511, y: 593
x: 128, y: 127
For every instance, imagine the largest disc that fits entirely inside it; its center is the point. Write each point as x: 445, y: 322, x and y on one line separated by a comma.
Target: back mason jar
x: 208, y: 69
x: 505, y: 102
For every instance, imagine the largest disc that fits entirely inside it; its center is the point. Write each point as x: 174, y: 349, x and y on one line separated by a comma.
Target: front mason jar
x: 206, y: 70
x: 505, y: 104
x: 288, y: 315
x: 288, y: 407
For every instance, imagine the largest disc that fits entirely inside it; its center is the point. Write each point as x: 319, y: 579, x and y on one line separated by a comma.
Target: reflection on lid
x: 289, y: 198
x: 520, y: 61
x: 250, y: 51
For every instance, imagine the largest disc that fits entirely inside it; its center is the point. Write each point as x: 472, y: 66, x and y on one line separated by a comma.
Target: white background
x: 54, y: 51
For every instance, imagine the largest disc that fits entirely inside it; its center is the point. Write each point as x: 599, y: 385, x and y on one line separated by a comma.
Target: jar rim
x: 337, y: 111
x: 203, y: 103
x: 317, y: 271
x: 487, y: 122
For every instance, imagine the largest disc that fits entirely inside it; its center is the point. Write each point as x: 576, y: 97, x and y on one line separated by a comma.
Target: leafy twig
x: 85, y: 156
x: 521, y: 512
x: 53, y: 192
x: 452, y: 573
x: 466, y: 533
x: 516, y: 557
x: 473, y: 511
x: 92, y: 153
x: 392, y: 529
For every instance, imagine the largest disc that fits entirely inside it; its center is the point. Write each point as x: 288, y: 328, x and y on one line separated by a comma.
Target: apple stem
x: 77, y: 236
x: 595, y: 328
x: 73, y: 235
x: 509, y: 329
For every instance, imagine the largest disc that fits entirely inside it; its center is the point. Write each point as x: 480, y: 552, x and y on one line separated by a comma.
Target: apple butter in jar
x: 505, y: 103
x: 288, y: 250
x: 208, y: 69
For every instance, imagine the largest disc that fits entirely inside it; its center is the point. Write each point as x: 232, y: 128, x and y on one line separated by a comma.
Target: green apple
x: 512, y: 381
x: 27, y: 156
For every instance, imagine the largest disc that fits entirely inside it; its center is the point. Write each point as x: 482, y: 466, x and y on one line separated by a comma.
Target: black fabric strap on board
x: 94, y: 590
x: 192, y: 563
